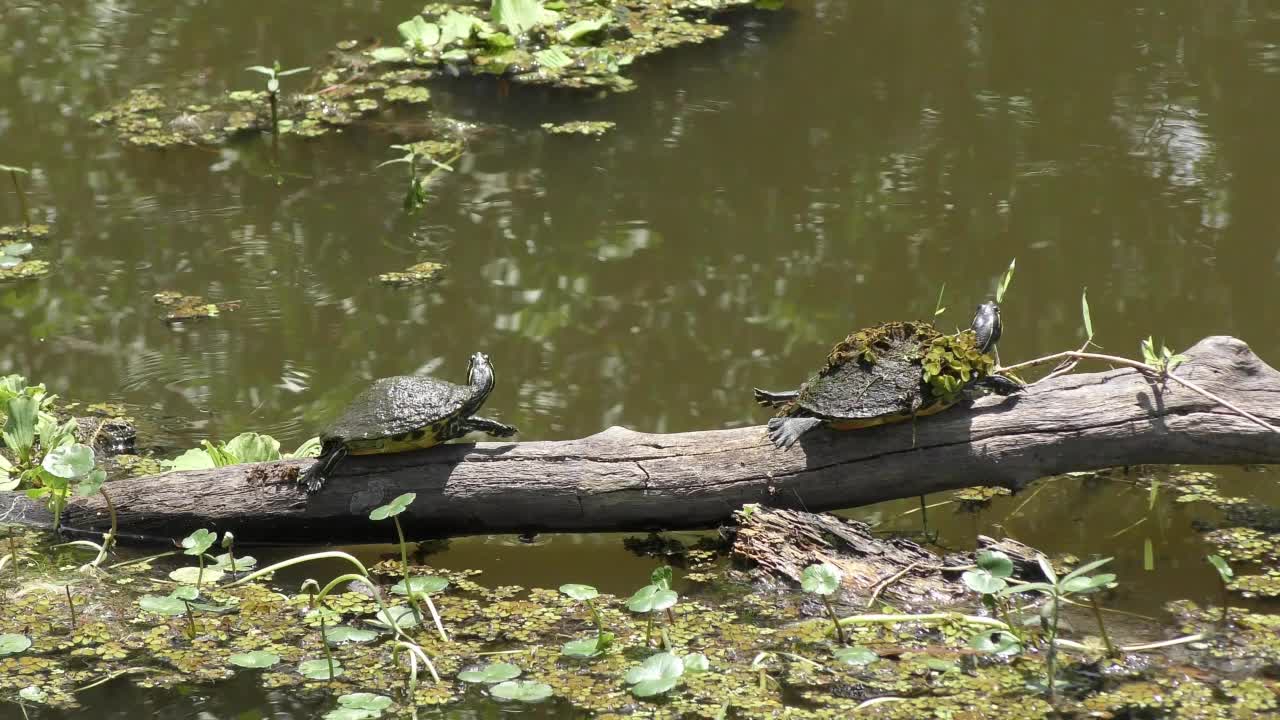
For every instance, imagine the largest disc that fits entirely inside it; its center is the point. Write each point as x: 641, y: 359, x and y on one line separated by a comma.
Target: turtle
x: 407, y: 412
x: 888, y: 373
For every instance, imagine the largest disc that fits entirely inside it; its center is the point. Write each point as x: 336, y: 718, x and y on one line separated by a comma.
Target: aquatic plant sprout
x: 23, y: 210
x: 823, y: 580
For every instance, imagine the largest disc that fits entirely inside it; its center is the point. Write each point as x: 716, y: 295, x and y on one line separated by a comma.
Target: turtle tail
x: 330, y: 455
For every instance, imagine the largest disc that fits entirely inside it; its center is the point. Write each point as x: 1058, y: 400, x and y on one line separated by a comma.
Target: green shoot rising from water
x: 823, y: 580
x: 23, y: 209
x: 274, y: 73
x: 1055, y: 591
x: 1004, y: 281
x: 1225, y: 575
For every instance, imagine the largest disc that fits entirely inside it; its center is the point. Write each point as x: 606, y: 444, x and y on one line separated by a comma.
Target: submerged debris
x: 412, y: 275
x: 594, y: 128
x: 191, y: 307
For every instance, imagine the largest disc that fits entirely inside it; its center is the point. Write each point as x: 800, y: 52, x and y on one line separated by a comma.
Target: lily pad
x: 359, y: 706
x: 255, y: 659
x: 319, y: 669
x: 856, y: 655
x: 588, y: 647
x: 652, y: 598
x: 656, y: 675
x: 345, y: 634
x: 521, y: 690
x: 421, y: 585
x: 192, y: 575
x: 492, y: 673
x: 167, y: 605
x: 579, y: 592
x: 12, y: 644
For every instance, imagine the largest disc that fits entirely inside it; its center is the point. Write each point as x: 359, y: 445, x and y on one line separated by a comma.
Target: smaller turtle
x: 408, y: 412
x: 889, y: 373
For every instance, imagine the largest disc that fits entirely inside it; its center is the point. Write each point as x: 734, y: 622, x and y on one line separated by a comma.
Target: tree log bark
x: 621, y: 480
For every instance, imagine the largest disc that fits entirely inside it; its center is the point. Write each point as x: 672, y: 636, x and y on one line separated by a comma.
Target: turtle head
x: 986, y: 325
x: 480, y: 373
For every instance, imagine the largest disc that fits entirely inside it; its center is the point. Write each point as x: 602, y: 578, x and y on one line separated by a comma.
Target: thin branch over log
x: 624, y: 480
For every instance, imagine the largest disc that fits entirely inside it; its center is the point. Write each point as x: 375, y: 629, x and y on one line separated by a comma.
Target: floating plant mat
x: 594, y: 128
x: 567, y: 44
x: 736, y: 649
x: 412, y: 275
x: 16, y: 263
x: 191, y: 307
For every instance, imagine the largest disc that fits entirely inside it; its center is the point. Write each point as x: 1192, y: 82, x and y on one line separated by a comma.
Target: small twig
x: 883, y: 584
x: 1146, y: 370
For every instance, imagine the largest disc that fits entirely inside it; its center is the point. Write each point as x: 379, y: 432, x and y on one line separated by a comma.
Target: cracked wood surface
x: 629, y: 481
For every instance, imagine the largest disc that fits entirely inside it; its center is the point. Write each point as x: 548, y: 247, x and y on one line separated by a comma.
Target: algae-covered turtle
x: 888, y: 373
x: 408, y: 412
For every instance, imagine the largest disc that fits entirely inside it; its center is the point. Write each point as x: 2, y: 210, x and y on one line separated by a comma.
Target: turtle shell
x: 891, y: 372
x: 398, y: 405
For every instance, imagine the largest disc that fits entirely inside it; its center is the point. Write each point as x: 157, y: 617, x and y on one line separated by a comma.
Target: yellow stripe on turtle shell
x: 419, y: 439
x: 861, y: 423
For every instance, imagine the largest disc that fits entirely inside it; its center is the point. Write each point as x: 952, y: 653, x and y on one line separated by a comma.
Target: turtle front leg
x: 774, y: 399
x: 491, y: 427
x: 784, y: 432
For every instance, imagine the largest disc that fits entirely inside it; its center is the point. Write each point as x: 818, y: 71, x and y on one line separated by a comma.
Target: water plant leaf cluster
x: 16, y: 263
x: 590, y: 128
x: 249, y: 447
x: 563, y: 43
x: 418, y: 274
x: 190, y: 307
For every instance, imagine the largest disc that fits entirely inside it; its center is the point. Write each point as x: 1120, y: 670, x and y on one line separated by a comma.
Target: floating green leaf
x: 401, y: 616
x: 168, y: 606
x: 192, y: 575
x: 359, y: 706
x: 12, y: 644
x: 521, y: 690
x: 389, y: 54
x: 696, y: 663
x: 579, y: 592
x: 856, y: 655
x: 588, y: 647
x: 997, y: 642
x: 421, y: 585
x: 319, y: 669
x: 255, y: 659
x: 490, y: 674
x: 656, y: 675
x: 345, y: 633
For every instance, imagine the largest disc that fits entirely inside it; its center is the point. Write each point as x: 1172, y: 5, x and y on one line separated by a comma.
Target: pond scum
x: 730, y: 647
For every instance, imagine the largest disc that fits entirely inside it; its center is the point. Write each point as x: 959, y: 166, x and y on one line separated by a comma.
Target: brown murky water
x: 820, y: 169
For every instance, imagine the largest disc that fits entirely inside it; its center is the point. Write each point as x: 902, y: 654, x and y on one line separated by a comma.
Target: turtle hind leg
x: 1000, y: 385
x: 784, y: 432
x: 488, y: 426
x: 330, y: 455
x: 774, y: 399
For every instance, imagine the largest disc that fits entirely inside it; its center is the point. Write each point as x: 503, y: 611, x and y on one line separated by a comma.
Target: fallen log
x: 621, y: 480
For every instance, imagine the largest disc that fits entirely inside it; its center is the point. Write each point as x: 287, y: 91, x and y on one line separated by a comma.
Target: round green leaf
x: 579, y: 592
x: 17, y: 249
x: 982, y: 581
x: 652, y: 598
x: 662, y: 577
x: 696, y: 663
x: 395, y: 507
x: 243, y: 562
x: 521, y: 690
x: 421, y: 585
x: 255, y: 659
x: 198, y: 542
x: 823, y: 579
x: 69, y: 461
x: 582, y: 648
x: 11, y: 644
x: 998, y: 642
x: 9, y: 261
x: 186, y: 592
x: 492, y: 673
x: 656, y: 675
x: 167, y: 606
x: 365, y: 701
x: 856, y: 655
x: 996, y: 563
x: 345, y: 633
x: 190, y: 575
x: 398, y: 616
x: 319, y: 669
x: 31, y: 693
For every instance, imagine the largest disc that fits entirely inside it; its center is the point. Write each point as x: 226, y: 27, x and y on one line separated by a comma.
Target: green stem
x: 404, y: 561
x: 595, y: 616
x: 22, y: 200
x: 275, y: 118
x: 648, y: 630
x: 835, y: 620
x: 71, y: 604
x: 1051, y: 656
x: 324, y: 640
x: 1225, y: 596
x: 1102, y: 628
x: 200, y: 572
x: 191, y: 621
